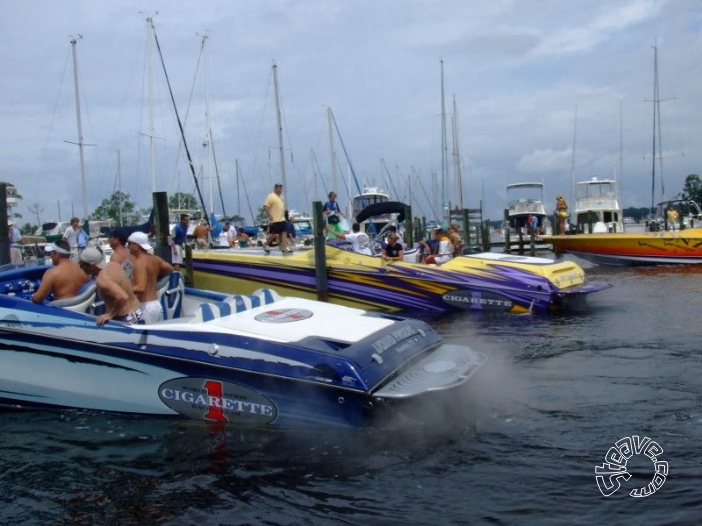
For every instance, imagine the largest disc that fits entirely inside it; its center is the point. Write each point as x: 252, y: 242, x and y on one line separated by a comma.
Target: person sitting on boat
x: 64, y: 279
x: 180, y: 236
x: 445, y: 250
x: 393, y: 229
x: 456, y: 240
x: 332, y: 212
x: 561, y: 213
x: 428, y: 246
x: 393, y: 251
x: 672, y: 217
x: 113, y: 287
x: 241, y: 238
x: 147, y: 269
x: 360, y: 242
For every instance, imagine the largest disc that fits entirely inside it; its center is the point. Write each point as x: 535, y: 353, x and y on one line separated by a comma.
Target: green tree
x: 116, y: 206
x: 12, y: 193
x: 261, y: 216
x: 182, y: 201
x: 692, y: 189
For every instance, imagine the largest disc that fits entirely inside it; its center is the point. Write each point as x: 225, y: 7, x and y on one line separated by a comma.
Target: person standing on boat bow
x: 113, y: 287
x: 274, y: 206
x: 332, y: 212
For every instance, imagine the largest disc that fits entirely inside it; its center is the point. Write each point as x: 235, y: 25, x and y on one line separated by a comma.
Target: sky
x: 548, y: 91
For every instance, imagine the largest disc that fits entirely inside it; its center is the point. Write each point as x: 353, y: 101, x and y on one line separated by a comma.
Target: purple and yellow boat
x: 478, y: 282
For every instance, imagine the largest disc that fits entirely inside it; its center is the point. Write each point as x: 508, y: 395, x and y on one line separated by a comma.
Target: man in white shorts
x: 147, y: 268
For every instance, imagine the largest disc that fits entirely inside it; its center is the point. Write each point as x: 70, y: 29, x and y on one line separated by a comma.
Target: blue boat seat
x: 207, y: 311
x: 170, y: 290
x: 82, y: 301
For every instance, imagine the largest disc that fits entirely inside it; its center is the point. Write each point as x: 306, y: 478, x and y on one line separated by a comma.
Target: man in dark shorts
x: 275, y: 209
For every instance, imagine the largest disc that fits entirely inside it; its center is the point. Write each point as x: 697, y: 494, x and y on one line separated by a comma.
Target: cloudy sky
x: 520, y: 71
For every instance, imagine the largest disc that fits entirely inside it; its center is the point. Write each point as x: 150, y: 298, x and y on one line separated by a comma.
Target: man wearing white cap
x: 114, y: 288
x: 147, y: 268
x: 64, y: 279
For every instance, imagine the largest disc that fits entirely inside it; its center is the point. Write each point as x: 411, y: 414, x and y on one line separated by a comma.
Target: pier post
x: 4, y: 235
x: 161, y: 233
x: 320, y: 252
x: 409, y: 234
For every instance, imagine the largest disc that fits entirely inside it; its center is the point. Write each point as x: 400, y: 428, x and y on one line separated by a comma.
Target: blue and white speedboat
x: 258, y: 359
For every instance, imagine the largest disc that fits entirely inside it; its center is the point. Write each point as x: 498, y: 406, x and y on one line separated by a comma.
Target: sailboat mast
x: 444, y: 147
x: 457, y: 158
x: 280, y: 128
x: 655, y: 98
x: 208, y: 134
x: 152, y: 146
x: 80, y: 129
x: 332, y: 149
x: 119, y: 186
x: 238, y: 189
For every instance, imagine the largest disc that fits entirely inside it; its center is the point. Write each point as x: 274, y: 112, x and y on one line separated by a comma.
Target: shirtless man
x: 201, y: 234
x: 120, y: 254
x: 147, y: 269
x: 113, y: 287
x: 64, y: 279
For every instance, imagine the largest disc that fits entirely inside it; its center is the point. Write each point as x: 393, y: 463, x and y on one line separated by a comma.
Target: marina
x: 554, y: 396
x: 428, y: 306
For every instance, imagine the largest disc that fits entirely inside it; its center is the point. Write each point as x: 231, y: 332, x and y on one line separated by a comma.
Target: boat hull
x: 634, y: 248
x: 482, y: 282
x: 257, y: 360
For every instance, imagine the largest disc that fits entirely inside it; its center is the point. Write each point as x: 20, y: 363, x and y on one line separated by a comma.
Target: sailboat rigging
x: 180, y: 124
x: 656, y: 133
x: 80, y: 143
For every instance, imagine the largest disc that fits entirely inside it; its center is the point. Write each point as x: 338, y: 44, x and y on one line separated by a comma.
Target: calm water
x: 557, y: 393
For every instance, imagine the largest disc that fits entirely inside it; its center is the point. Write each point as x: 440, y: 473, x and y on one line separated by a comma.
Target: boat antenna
x: 572, y: 161
x: 206, y: 216
x: 387, y: 172
x: 348, y: 160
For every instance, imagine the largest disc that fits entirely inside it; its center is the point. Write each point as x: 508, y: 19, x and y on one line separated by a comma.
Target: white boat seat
x: 79, y: 303
x: 232, y: 304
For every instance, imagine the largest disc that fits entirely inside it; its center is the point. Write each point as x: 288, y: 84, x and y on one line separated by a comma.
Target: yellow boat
x: 634, y: 248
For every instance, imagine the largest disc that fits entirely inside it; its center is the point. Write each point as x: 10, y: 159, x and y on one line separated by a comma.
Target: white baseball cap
x: 141, y: 239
